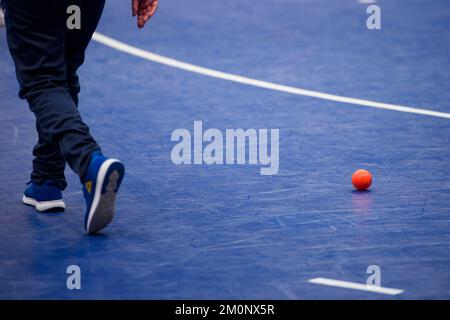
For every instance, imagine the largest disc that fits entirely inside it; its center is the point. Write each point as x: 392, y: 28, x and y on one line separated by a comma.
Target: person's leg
x: 103, y: 175
x: 39, y: 43
x: 49, y: 163
x: 36, y: 33
x: 77, y: 40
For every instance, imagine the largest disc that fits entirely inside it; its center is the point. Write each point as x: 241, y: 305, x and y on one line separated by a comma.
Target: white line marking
x: 367, y: 1
x: 121, y: 46
x: 355, y: 286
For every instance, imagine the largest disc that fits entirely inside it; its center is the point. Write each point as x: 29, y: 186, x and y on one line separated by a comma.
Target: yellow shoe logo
x: 89, y: 186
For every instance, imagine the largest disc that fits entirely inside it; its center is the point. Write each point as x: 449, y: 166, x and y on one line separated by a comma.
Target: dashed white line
x: 356, y: 286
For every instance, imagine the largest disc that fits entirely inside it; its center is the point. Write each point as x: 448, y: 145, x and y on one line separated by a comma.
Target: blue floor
x: 225, y: 231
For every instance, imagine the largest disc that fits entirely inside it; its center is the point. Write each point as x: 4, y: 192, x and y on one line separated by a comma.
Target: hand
x: 144, y: 9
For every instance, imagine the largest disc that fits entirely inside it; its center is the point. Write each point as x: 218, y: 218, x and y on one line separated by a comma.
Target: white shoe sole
x: 44, y: 205
x: 103, y: 206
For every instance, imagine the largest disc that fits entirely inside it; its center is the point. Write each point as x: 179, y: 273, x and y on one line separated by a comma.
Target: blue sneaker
x: 45, y: 198
x: 101, y: 182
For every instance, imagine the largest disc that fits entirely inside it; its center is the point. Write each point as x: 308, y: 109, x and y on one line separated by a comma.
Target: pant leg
x: 76, y: 41
x: 48, y: 162
x: 36, y: 38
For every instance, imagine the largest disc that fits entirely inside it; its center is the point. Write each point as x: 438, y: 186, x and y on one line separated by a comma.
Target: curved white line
x: 110, y: 42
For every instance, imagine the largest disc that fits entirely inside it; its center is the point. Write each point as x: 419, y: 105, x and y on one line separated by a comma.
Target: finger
x: 147, y: 16
x: 150, y: 3
x: 153, y: 8
x: 146, y: 10
x: 134, y: 7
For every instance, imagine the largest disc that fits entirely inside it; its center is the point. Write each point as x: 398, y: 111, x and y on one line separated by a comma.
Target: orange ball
x: 362, y: 179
